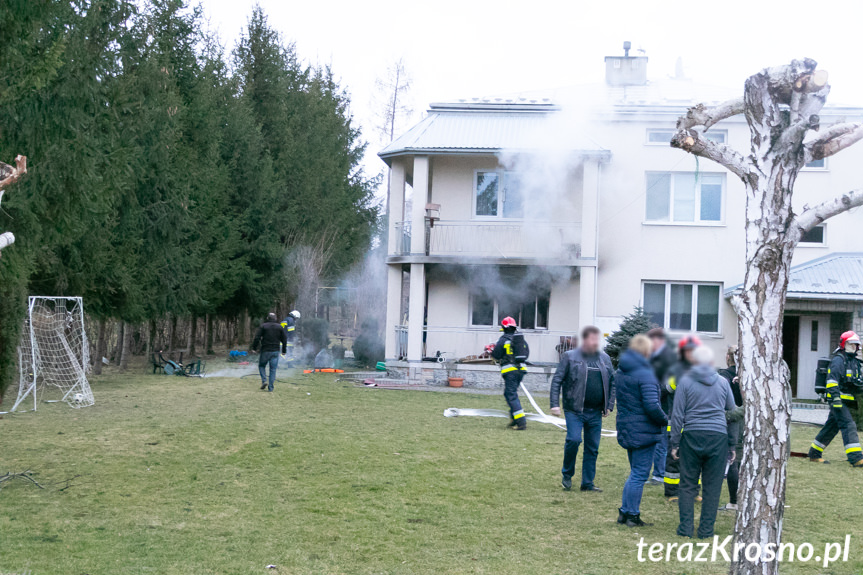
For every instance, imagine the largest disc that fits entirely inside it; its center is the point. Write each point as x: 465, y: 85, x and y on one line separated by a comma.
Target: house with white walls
x: 569, y: 208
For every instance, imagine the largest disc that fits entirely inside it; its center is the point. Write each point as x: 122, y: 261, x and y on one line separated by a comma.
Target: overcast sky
x: 467, y: 48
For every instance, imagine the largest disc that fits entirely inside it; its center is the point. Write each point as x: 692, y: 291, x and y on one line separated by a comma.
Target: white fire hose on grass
x: 540, y: 416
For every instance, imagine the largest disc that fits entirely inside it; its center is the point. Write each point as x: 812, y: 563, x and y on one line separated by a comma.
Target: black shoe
x: 621, y: 517
x: 635, y: 521
x: 512, y: 423
x: 566, y: 482
x: 263, y: 386
x: 521, y: 424
x: 591, y: 488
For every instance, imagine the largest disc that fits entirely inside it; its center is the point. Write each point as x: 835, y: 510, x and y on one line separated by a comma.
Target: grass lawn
x: 212, y: 476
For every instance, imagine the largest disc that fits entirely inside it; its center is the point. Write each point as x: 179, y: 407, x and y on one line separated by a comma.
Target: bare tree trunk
x: 242, y: 328
x: 126, y: 346
x: 208, y: 337
x: 151, y: 337
x: 119, y: 345
x: 101, y: 346
x: 193, y: 336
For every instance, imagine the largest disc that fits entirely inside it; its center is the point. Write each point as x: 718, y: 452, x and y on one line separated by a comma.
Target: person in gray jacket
x: 586, y: 377
x: 700, y: 402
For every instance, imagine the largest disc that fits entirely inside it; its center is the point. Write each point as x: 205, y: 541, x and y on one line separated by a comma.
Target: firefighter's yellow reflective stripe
x: 672, y: 383
x: 847, y: 396
x: 852, y: 447
x: 518, y: 414
x: 508, y: 368
x: 818, y: 447
x: 522, y: 368
x: 292, y: 328
x: 284, y: 324
x: 832, y: 384
x: 668, y: 428
x: 671, y: 480
x: 849, y: 373
x: 507, y: 347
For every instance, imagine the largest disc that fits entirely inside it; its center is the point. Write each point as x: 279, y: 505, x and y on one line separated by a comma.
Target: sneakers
x: 656, y: 481
x: 590, y: 488
x: 566, y: 483
x: 264, y: 385
x: 818, y: 460
x: 635, y: 521
x: 729, y: 507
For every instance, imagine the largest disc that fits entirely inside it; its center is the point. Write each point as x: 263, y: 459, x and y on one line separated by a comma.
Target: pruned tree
x: 8, y: 176
x: 781, y: 106
x: 391, y: 95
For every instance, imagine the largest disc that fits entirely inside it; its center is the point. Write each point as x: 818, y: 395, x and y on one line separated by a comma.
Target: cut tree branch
x: 700, y: 115
x: 833, y: 140
x: 695, y: 143
x: 816, y: 215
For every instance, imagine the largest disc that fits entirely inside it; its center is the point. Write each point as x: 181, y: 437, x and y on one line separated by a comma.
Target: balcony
x: 477, y: 239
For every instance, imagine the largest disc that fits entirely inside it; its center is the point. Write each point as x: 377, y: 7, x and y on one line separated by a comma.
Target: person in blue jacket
x: 640, y: 423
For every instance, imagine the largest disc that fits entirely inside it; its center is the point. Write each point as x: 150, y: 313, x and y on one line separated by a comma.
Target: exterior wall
x: 475, y: 376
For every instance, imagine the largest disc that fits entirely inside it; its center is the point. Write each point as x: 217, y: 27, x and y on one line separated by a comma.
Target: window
x: 683, y: 306
x: 814, y: 236
x: 817, y: 164
x: 498, y: 194
x: 529, y: 313
x: 813, y: 340
x: 664, y: 136
x: 684, y: 197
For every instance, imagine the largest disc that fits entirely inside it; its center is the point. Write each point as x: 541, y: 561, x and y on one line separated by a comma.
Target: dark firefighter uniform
x: 843, y: 386
x: 290, y: 325
x: 512, y: 373
x: 673, y: 376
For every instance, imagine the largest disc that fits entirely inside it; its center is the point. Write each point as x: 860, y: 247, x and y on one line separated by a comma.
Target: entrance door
x: 814, y: 343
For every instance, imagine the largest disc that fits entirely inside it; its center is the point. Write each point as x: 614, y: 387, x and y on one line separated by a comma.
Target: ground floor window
x: 530, y: 311
x: 683, y: 306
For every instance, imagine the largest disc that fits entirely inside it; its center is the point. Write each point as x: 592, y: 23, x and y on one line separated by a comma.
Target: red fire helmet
x: 849, y: 337
x: 688, y: 342
x: 507, y: 322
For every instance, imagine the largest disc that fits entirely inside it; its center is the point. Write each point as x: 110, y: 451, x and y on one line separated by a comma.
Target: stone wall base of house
x: 537, y: 379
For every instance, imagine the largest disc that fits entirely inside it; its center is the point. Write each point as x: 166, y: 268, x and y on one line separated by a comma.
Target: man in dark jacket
x: 585, y: 375
x: 640, y: 423
x: 270, y: 337
x: 735, y: 427
x: 662, y: 359
x: 699, y: 439
x: 512, y: 371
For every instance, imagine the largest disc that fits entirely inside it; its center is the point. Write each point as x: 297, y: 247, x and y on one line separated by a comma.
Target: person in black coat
x: 640, y: 423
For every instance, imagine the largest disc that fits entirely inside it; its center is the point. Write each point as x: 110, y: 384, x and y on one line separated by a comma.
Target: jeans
x: 660, y: 452
x: 589, y: 421
x: 704, y: 454
x: 270, y: 358
x: 639, y: 465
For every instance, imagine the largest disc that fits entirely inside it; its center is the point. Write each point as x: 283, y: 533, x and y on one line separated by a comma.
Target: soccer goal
x: 53, y: 356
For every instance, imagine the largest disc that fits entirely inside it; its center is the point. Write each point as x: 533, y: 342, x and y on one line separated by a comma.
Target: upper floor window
x: 684, y: 197
x: 814, y: 236
x: 816, y: 165
x: 683, y: 306
x: 663, y: 136
x: 498, y: 194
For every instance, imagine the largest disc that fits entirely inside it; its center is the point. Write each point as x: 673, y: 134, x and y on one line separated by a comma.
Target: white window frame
x: 697, y: 222
x: 825, y: 168
x: 496, y: 314
x: 671, y: 131
x: 667, y: 319
x: 501, y: 195
x: 816, y: 244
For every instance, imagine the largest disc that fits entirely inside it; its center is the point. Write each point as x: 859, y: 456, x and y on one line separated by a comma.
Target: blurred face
x: 688, y: 355
x: 590, y: 344
x: 657, y: 343
x: 852, y: 348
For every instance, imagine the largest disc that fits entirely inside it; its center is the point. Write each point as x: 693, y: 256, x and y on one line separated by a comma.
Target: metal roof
x: 836, y: 276
x: 483, y: 128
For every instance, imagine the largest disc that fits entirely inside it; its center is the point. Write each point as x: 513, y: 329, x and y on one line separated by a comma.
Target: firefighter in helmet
x: 844, y: 385
x: 685, y: 347
x: 510, y: 352
x: 290, y: 326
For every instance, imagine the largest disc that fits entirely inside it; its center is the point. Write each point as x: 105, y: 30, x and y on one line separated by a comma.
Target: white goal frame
x: 76, y: 389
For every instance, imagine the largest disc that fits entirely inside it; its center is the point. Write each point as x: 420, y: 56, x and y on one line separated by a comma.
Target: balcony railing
x: 509, y: 239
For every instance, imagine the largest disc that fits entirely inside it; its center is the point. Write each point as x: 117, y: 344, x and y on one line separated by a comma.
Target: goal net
x: 53, y: 356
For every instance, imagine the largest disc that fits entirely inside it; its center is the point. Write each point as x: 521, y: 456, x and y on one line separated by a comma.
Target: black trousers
x: 511, y: 381
x: 839, y: 419
x: 672, y: 472
x: 733, y: 476
x: 702, y: 453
